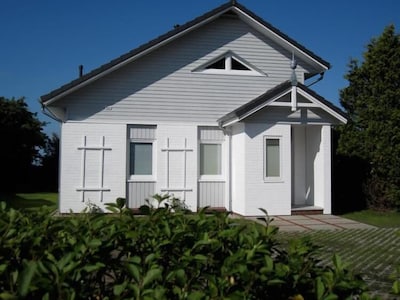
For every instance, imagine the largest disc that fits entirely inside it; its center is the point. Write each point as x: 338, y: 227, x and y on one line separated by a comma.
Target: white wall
x: 250, y: 191
x: 96, y: 172
x: 324, y: 191
x: 177, y: 169
x: 275, y: 197
x: 238, y: 184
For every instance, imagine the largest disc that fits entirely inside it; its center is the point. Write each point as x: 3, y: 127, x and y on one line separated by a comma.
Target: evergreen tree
x: 372, y: 101
x: 22, y: 138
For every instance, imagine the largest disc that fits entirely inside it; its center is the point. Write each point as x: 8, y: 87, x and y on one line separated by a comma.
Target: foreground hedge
x: 163, y: 255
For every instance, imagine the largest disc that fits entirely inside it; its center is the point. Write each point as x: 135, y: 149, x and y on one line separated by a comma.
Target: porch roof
x: 275, y: 93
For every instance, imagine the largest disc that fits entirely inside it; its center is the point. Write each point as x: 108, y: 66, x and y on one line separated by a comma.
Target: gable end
x: 229, y: 9
x: 278, y: 92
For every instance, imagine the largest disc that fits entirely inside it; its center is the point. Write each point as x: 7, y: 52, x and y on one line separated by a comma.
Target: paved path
x: 372, y: 252
x: 316, y: 222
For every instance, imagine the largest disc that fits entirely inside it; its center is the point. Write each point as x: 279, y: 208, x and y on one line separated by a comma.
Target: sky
x: 43, y: 42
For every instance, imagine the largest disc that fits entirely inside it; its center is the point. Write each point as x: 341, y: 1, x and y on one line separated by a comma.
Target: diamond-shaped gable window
x: 229, y: 63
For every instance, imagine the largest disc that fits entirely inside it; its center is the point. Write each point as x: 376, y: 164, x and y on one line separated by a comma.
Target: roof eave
x: 281, y: 37
x: 246, y: 15
x: 262, y: 101
x: 135, y: 54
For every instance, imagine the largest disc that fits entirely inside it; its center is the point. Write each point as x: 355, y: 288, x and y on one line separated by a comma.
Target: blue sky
x: 43, y: 42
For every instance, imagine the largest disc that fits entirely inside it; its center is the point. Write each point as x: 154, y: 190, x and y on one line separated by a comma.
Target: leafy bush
x: 163, y: 255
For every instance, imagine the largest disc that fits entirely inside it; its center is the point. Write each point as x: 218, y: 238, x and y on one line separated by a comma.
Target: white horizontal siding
x: 83, y: 176
x: 275, y: 197
x: 163, y: 87
x: 211, y: 194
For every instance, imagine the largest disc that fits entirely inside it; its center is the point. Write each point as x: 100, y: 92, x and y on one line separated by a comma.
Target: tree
x: 372, y: 101
x: 22, y: 139
x: 49, y: 165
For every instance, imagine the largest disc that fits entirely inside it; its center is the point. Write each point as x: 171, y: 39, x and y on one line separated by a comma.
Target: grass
x: 30, y: 200
x: 387, y: 219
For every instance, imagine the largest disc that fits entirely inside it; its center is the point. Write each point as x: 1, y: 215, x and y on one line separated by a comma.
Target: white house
x: 216, y: 112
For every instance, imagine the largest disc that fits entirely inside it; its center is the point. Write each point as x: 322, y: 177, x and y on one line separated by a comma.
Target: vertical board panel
x: 138, y: 192
x: 144, y: 132
x: 211, y: 194
x: 209, y: 133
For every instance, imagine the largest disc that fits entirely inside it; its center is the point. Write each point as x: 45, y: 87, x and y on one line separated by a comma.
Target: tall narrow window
x: 272, y: 158
x: 210, y: 159
x: 141, y: 143
x: 141, y: 160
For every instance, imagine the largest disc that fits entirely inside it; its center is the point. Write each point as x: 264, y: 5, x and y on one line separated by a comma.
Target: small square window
x: 141, y: 158
x: 210, y: 159
x: 272, y: 158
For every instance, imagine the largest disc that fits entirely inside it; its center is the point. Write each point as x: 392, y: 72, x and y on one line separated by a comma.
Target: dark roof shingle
x: 180, y: 29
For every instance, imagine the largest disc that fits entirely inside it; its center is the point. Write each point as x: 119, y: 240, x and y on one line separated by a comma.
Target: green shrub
x: 163, y: 255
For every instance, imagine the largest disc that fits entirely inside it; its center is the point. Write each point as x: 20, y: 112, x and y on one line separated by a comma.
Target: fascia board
x: 322, y: 105
x: 277, y: 38
x: 134, y: 57
x: 254, y: 110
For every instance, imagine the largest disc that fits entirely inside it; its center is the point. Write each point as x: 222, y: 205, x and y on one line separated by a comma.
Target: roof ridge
x: 169, y: 34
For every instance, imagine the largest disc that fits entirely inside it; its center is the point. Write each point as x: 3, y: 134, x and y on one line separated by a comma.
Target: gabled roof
x: 231, y: 6
x: 273, y: 94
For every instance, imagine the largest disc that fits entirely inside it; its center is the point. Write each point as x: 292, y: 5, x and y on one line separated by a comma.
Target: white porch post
x: 327, y: 167
x: 294, y: 98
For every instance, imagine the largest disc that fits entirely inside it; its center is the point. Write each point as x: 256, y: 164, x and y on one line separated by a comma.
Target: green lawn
x: 376, y: 218
x: 30, y: 200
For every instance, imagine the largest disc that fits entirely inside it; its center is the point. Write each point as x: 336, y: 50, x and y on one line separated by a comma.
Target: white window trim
x: 228, y: 66
x: 231, y: 72
x: 219, y: 177
x: 146, y: 178
x: 277, y: 178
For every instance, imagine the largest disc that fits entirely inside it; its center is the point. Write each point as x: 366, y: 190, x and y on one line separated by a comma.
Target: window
x: 210, y: 159
x: 219, y: 65
x: 141, y: 146
x: 229, y: 63
x: 141, y: 159
x: 211, y: 149
x: 237, y: 65
x: 272, y: 158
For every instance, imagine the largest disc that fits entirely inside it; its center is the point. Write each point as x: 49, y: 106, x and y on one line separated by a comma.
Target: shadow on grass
x: 30, y: 201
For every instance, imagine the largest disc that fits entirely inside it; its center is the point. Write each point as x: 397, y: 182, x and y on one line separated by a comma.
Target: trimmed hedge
x: 167, y: 254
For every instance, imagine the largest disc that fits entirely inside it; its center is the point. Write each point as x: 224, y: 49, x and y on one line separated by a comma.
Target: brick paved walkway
x: 372, y: 252
x: 316, y: 222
